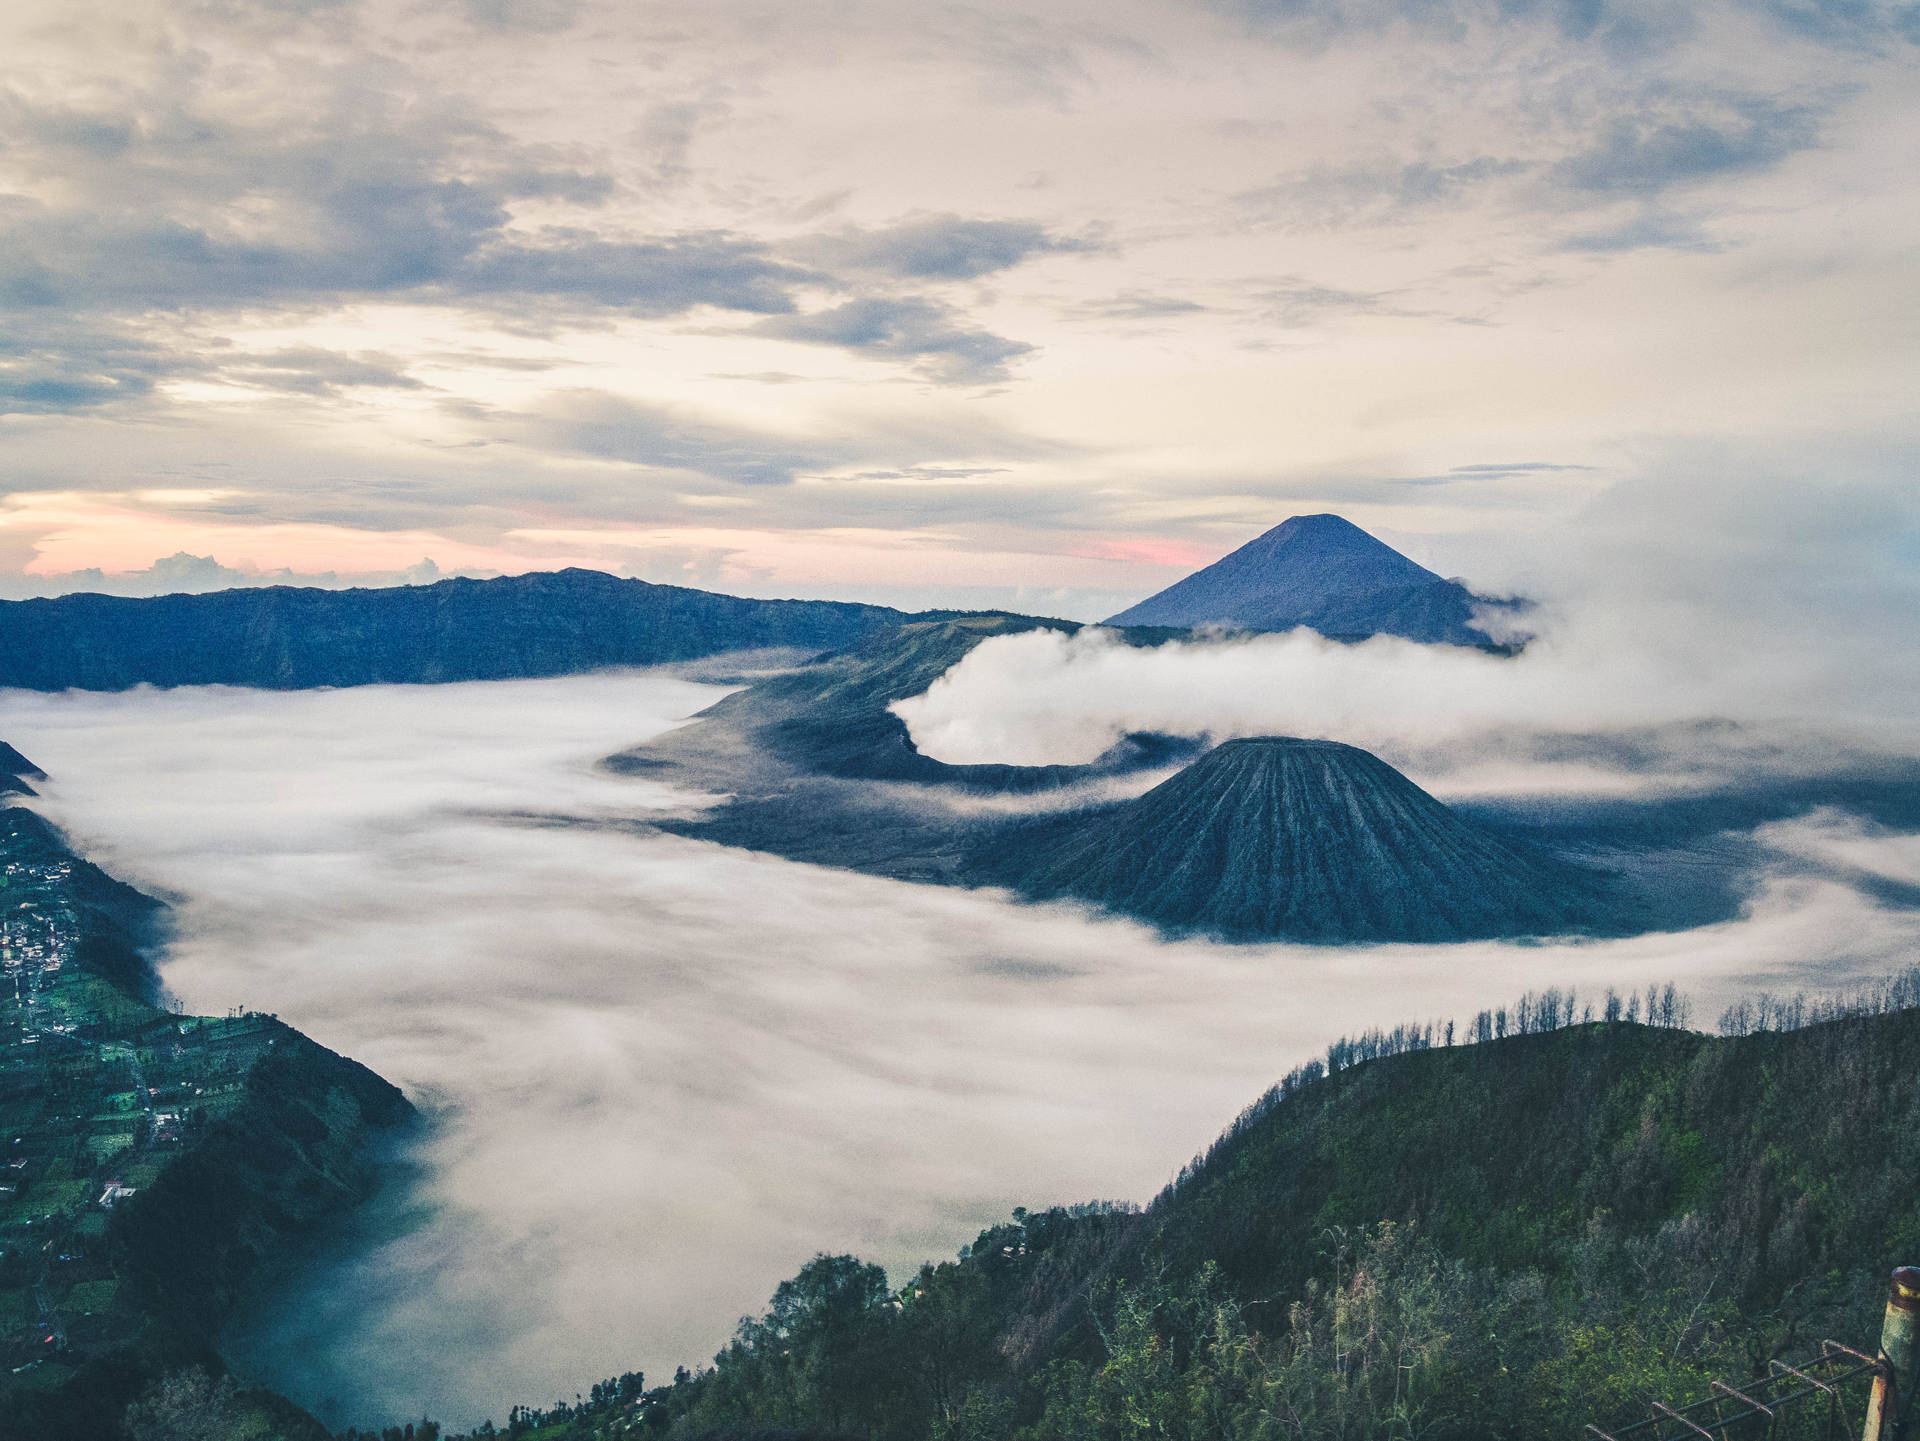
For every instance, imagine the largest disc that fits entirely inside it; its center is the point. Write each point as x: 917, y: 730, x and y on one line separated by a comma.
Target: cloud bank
x: 652, y: 1103
x: 1780, y: 608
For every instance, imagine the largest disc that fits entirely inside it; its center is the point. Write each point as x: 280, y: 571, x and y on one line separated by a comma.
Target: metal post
x: 1893, y: 1387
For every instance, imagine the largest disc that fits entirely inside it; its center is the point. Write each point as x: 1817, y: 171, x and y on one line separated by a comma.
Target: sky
x: 653, y: 1103
x: 1023, y: 305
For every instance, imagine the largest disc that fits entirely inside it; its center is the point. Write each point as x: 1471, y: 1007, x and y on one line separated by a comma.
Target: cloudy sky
x: 1034, y: 304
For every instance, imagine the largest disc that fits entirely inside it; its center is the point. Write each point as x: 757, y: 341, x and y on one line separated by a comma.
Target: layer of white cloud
x: 1776, y: 600
x: 653, y: 1102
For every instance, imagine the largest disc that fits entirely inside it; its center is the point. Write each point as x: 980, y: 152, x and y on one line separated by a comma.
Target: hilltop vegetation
x: 1505, y: 1239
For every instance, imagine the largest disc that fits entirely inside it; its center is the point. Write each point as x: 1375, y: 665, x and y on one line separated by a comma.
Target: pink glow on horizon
x: 1149, y: 550
x: 70, y: 533
x: 117, y: 534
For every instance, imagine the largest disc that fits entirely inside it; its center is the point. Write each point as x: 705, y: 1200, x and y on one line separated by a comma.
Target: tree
x: 185, y: 1406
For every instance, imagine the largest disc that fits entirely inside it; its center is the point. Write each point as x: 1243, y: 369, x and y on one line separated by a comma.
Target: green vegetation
x: 150, y: 1165
x: 190, y: 1405
x: 1504, y: 1239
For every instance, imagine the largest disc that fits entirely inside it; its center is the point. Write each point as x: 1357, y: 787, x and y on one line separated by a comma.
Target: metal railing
x: 1809, y: 1400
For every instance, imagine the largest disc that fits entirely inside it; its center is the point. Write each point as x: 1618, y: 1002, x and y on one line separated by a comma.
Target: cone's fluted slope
x: 1307, y: 839
x: 1319, y: 571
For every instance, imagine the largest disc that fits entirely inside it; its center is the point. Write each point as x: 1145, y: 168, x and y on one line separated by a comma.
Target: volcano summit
x: 1322, y: 572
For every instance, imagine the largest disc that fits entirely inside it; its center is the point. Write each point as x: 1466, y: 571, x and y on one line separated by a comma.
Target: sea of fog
x: 662, y: 1074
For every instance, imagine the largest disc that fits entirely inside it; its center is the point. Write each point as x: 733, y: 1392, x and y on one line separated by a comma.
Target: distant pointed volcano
x: 1322, y: 572
x: 1303, y: 839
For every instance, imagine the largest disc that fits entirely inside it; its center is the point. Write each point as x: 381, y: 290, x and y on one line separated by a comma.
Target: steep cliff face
x: 157, y: 1164
x: 1306, y: 839
x: 280, y: 637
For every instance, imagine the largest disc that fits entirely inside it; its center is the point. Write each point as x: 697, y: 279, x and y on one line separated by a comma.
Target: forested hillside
x: 155, y: 1164
x: 1504, y: 1239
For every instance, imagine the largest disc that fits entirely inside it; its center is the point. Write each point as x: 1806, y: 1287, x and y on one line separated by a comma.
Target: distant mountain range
x: 283, y: 638
x: 1316, y: 570
x: 1306, y: 839
x: 1324, y: 573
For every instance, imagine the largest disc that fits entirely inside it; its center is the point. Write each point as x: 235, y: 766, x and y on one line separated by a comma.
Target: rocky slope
x: 1302, y: 839
x: 797, y: 755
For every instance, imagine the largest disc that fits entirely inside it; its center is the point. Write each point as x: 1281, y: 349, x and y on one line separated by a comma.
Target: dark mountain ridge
x: 1257, y: 840
x: 797, y: 755
x: 1324, y: 573
x: 1318, y: 571
x: 15, y: 771
x: 1303, y: 839
x: 833, y: 717
x: 284, y: 638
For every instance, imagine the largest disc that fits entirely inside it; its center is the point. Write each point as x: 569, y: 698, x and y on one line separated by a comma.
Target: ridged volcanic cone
x: 1308, y: 839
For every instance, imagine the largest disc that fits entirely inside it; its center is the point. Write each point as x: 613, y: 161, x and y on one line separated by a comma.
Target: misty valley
x: 959, y: 720
x: 388, y: 1047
